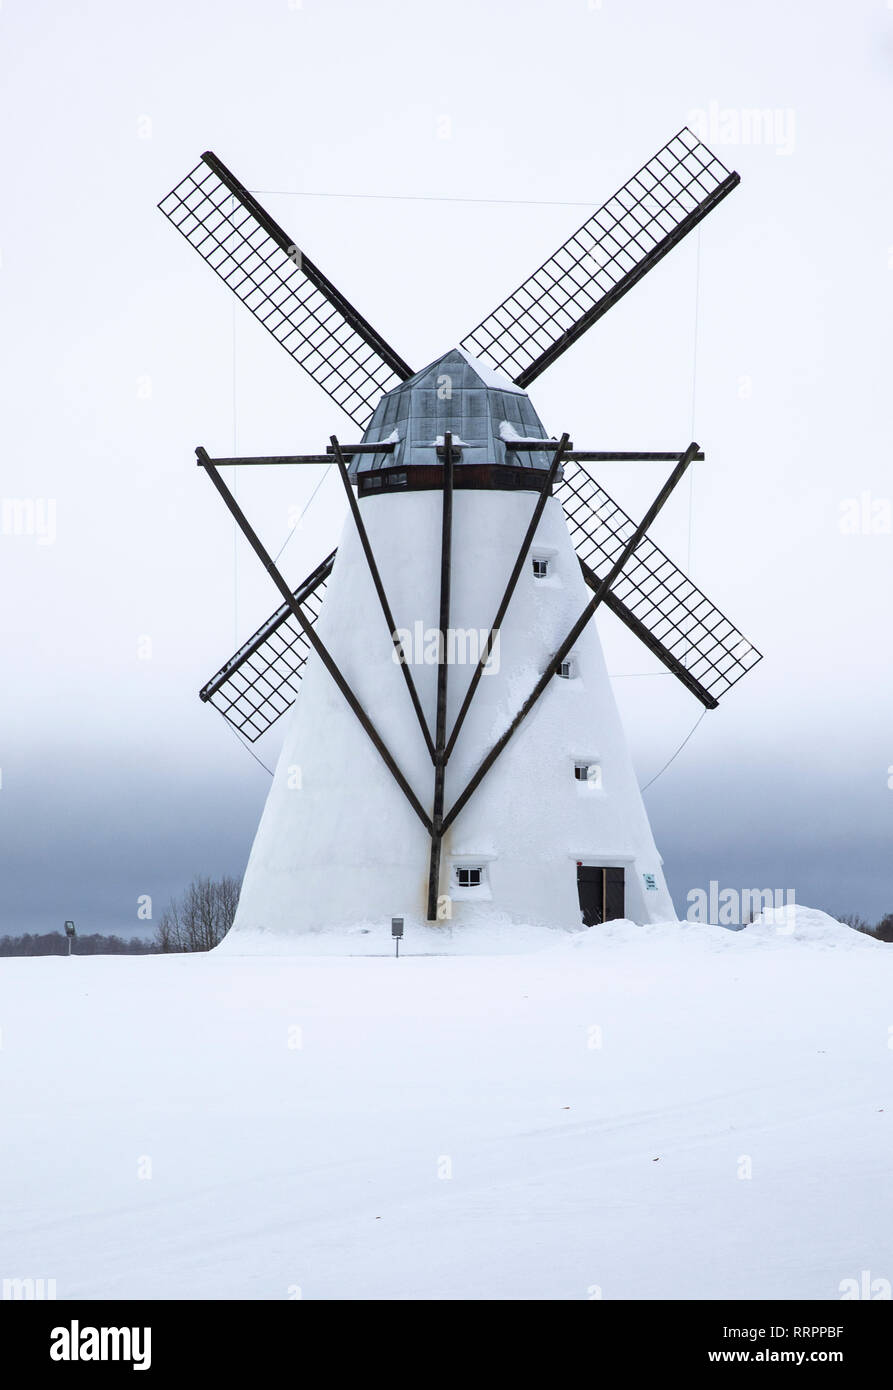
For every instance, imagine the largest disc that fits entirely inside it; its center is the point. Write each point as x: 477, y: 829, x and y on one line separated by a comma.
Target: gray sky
x: 121, y: 352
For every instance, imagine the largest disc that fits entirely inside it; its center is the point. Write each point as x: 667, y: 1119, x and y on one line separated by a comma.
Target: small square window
x: 468, y: 877
x: 373, y: 481
x: 581, y: 771
x: 540, y: 569
x: 590, y: 773
x: 397, y: 480
x: 567, y: 670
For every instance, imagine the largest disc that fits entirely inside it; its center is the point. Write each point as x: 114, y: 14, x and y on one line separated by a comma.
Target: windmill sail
x: 282, y: 287
x: 604, y: 258
x: 652, y: 596
x: 260, y: 681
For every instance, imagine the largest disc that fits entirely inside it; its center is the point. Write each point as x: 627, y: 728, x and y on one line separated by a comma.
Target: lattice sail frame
x: 652, y: 587
x: 260, y: 682
x: 323, y: 332
x: 603, y: 259
x: 284, y: 290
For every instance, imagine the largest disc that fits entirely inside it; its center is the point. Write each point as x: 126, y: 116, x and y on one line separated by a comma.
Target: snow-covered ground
x: 666, y: 1112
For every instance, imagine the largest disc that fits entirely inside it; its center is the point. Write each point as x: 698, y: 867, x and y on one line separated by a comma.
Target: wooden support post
x: 440, y: 753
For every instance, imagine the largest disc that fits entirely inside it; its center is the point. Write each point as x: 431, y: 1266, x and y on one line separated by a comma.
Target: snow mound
x: 622, y: 931
x: 669, y: 936
x: 794, y: 922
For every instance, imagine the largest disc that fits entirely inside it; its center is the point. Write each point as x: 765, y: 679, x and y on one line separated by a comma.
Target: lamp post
x: 396, y: 933
x: 69, y: 932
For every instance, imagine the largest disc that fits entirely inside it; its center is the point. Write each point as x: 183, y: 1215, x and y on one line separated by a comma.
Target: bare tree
x: 163, y: 939
x: 200, y: 918
x: 884, y: 929
x: 852, y: 919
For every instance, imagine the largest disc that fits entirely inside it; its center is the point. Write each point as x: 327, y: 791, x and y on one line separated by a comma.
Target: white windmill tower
x: 456, y: 751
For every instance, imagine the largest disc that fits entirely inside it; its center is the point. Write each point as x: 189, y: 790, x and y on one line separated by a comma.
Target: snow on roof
x: 508, y: 432
x: 496, y: 381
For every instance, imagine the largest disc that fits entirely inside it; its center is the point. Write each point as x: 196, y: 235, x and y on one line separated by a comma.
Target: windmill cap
x: 459, y: 395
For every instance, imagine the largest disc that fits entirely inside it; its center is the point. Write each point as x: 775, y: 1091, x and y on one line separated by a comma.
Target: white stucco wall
x: 341, y: 845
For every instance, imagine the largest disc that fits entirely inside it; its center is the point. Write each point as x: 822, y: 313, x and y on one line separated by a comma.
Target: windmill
x: 456, y: 753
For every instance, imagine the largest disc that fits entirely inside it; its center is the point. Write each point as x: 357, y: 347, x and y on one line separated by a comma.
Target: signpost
x: 396, y: 933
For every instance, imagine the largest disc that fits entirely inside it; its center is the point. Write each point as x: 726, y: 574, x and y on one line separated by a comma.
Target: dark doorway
x: 601, y: 894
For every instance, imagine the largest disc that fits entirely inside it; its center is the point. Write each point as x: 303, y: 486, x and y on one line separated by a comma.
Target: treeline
x: 882, y: 930
x: 55, y: 943
x: 195, y: 921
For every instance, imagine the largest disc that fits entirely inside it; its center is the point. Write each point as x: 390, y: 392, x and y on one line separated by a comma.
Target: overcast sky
x: 428, y: 157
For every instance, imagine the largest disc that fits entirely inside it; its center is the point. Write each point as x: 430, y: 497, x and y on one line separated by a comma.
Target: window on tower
x: 540, y: 568
x: 468, y: 876
x: 567, y: 670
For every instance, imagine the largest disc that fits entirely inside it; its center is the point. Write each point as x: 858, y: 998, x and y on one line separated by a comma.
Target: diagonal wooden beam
x: 627, y: 616
x: 382, y: 596
x: 311, y: 635
x: 572, y: 636
x: 287, y: 244
x: 541, y: 501
x: 625, y: 284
